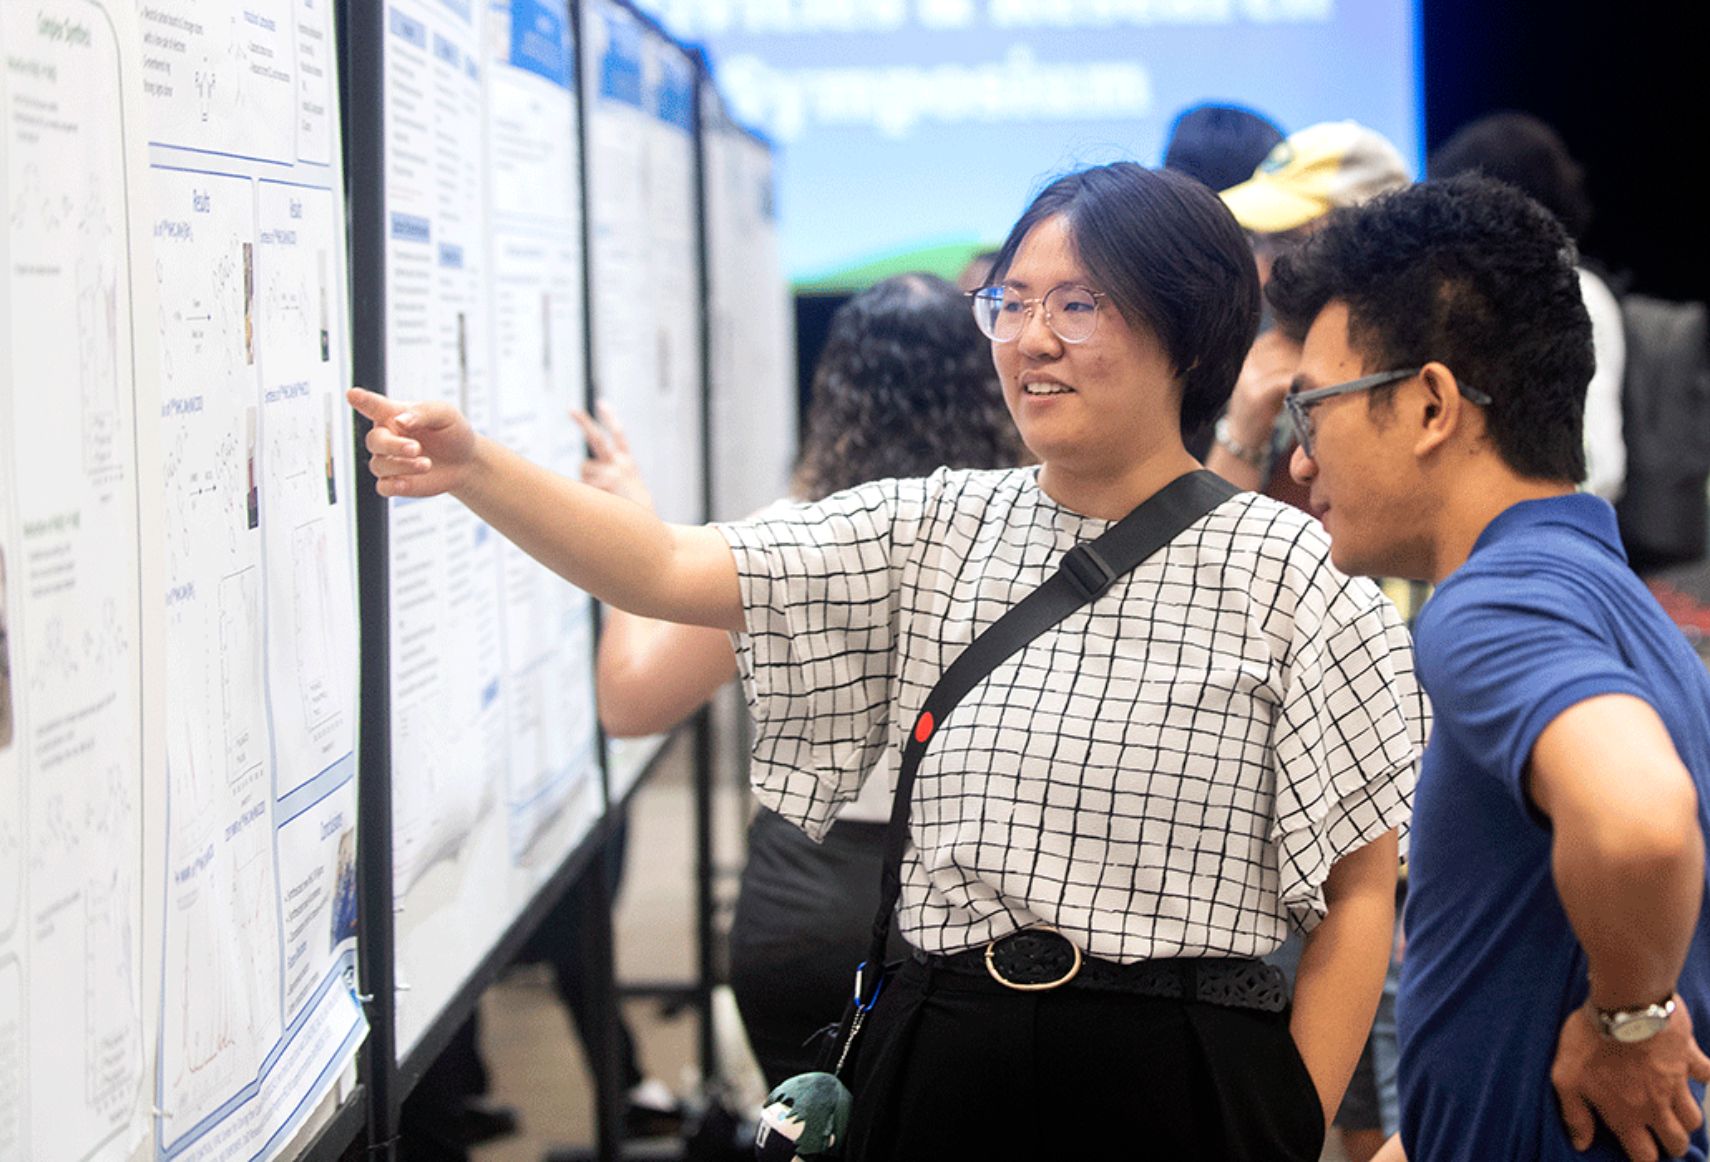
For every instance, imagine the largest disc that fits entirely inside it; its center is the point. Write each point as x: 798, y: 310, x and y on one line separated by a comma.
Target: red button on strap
x: 923, y: 726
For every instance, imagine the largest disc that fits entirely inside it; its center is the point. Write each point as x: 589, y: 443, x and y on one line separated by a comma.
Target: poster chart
x: 80, y: 582
x: 752, y: 365
x: 644, y: 268
x: 257, y: 1012
x: 492, y: 718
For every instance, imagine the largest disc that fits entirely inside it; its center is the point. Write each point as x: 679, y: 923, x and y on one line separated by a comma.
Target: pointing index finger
x: 372, y: 405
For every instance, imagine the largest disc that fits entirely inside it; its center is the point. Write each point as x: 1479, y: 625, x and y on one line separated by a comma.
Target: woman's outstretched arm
x: 616, y: 550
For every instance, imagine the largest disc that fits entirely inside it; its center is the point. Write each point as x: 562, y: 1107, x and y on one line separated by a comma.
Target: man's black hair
x: 1221, y: 145
x: 1172, y: 259
x: 1471, y: 273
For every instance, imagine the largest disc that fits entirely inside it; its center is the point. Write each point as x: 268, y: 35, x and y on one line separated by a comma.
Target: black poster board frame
x: 368, y: 1120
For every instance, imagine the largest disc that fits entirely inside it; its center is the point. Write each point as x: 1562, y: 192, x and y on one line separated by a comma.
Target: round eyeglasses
x: 1071, y: 312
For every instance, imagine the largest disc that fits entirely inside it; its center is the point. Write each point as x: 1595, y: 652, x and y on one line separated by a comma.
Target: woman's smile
x: 1036, y: 384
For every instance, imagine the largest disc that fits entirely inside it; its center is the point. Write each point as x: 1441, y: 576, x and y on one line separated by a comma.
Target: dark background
x: 1624, y: 84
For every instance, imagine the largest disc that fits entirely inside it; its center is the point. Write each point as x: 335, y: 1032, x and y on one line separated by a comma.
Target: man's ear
x: 1444, y: 414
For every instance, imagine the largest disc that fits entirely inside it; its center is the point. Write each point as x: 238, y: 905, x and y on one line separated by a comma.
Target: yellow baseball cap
x: 1321, y: 168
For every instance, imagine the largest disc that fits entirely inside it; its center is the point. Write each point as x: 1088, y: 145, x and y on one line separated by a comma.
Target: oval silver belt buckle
x: 1040, y: 986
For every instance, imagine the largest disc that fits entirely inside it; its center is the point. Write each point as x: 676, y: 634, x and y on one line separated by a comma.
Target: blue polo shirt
x: 1544, y: 614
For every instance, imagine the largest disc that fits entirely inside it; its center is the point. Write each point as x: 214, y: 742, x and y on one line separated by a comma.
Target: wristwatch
x: 1630, y: 1026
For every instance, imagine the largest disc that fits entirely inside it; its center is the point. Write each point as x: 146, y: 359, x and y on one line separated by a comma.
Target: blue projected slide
x: 905, y: 124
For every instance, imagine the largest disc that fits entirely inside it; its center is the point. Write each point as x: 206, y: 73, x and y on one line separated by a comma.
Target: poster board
x: 81, y: 664
x: 493, y: 760
x: 179, y: 724
x: 644, y: 268
x: 751, y: 349
x: 257, y: 1013
x: 180, y: 715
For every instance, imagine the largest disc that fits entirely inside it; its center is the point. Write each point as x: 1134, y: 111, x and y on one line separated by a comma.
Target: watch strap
x: 1648, y: 1018
x: 1258, y: 458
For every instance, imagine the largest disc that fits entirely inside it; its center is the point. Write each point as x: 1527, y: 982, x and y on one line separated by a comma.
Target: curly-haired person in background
x: 904, y: 385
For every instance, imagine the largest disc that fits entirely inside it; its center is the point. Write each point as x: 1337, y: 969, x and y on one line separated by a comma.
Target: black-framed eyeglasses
x: 1301, y: 403
x: 1071, y: 311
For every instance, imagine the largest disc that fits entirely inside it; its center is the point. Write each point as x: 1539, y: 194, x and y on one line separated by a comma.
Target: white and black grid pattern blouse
x: 1170, y: 771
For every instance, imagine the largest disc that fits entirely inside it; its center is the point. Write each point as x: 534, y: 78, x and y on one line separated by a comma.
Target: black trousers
x: 956, y: 1066
x: 804, y: 920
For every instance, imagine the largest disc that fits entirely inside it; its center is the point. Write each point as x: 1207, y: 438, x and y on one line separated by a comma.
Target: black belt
x: 1034, y: 959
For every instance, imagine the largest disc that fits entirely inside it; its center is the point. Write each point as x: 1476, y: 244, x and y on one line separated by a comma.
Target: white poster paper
x: 494, y: 773
x: 448, y: 752
x: 539, y: 374
x: 752, y: 346
x: 645, y: 271
x: 257, y: 1013
x: 80, y: 586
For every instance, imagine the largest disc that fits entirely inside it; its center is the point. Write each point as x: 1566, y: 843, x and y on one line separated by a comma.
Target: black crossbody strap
x: 1086, y: 571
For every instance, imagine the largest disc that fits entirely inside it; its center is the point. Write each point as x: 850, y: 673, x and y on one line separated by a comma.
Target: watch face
x: 1640, y: 1028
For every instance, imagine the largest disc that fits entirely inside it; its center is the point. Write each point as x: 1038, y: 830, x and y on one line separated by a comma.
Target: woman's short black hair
x: 904, y: 385
x: 1523, y: 151
x: 1474, y: 274
x: 1172, y: 259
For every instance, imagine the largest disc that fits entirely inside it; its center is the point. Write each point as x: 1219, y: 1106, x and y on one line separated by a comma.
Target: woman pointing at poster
x: 1156, y: 790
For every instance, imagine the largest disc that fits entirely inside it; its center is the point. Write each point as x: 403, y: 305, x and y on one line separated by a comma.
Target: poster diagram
x: 224, y: 76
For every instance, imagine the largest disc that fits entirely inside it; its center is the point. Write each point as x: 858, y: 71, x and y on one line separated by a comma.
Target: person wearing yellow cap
x: 1308, y: 174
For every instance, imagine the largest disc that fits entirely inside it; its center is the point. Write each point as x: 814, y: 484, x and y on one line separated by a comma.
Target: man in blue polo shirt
x: 1558, y: 955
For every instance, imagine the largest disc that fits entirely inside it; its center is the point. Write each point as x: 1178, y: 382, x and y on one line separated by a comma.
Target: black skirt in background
x: 804, y: 920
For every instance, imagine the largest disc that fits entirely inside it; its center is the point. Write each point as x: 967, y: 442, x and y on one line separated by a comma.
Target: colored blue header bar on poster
x: 540, y: 40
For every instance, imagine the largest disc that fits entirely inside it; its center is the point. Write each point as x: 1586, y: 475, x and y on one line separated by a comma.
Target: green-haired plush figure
x: 805, y: 1117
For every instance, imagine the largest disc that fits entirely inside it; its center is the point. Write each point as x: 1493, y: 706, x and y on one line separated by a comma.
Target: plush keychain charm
x: 806, y: 1117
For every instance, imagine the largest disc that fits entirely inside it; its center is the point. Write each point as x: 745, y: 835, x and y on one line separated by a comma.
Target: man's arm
x: 1628, y: 858
x: 1342, y: 967
x: 1254, y: 406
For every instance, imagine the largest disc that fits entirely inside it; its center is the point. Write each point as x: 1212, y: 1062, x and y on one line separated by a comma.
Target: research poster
x: 494, y: 772
x: 81, y: 680
x: 447, y: 724
x: 447, y: 721
x: 539, y: 374
x: 644, y: 269
x: 752, y: 342
x: 257, y: 1012
x: 644, y: 260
